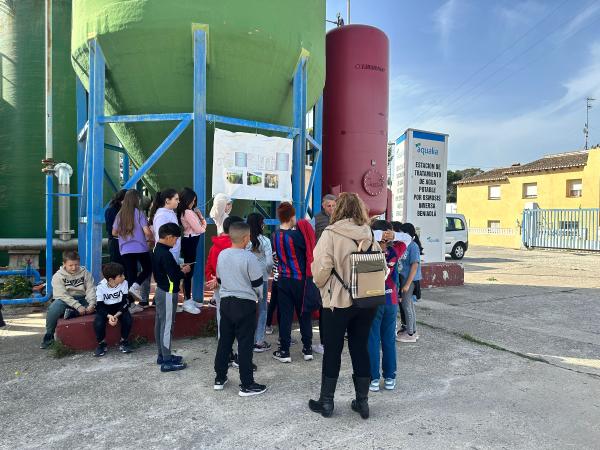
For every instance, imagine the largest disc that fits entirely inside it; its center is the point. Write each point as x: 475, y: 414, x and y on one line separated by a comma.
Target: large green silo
x: 22, y: 113
x: 254, y: 47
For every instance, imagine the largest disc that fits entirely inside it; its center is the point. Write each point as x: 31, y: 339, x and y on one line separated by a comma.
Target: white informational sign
x: 252, y: 167
x: 419, y: 179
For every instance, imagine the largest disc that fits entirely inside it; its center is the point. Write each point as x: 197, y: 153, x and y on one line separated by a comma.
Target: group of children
x: 239, y: 265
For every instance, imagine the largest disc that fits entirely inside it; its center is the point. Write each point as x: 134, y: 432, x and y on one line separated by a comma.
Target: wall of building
x: 479, y: 210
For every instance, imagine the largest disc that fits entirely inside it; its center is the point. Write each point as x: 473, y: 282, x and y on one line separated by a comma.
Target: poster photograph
x: 251, y: 166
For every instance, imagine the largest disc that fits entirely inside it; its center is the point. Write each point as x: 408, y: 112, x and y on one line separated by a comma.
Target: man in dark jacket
x: 322, y: 218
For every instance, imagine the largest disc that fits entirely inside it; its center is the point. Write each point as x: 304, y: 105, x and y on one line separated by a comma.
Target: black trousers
x: 357, y: 321
x: 101, y: 320
x: 113, y: 250
x: 130, y: 261
x: 188, y: 251
x: 238, y: 321
x: 291, y: 295
x: 273, y: 304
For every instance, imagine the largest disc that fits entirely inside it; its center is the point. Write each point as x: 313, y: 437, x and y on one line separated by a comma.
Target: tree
x: 457, y: 175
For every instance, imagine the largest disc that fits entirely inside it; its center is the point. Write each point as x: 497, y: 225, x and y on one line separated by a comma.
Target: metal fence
x: 577, y: 229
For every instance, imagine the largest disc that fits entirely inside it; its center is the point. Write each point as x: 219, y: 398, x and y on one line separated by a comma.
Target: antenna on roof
x: 586, y: 128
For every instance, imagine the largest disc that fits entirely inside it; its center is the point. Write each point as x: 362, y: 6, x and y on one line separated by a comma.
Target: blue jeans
x: 56, y: 311
x: 383, y: 338
x: 259, y: 334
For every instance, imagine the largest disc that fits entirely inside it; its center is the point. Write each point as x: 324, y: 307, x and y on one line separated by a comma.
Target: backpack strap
x: 343, y: 283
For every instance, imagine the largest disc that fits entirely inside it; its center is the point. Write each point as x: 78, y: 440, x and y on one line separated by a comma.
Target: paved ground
x: 511, y: 360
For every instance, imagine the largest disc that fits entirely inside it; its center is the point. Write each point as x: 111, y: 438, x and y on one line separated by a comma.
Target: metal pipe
x: 26, y: 272
x: 347, y: 12
x: 63, y: 172
x: 49, y: 148
x: 40, y: 244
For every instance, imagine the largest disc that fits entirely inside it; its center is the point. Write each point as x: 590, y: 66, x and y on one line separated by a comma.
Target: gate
x: 576, y: 229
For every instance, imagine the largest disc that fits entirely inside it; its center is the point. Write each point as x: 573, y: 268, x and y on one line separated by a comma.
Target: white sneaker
x: 198, y: 304
x: 136, y: 292
x: 374, y: 386
x: 135, y: 308
x: 318, y: 348
x: 189, y: 306
x: 407, y: 338
x: 389, y: 384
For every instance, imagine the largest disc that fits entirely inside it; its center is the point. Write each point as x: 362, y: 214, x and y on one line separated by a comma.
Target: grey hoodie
x: 333, y: 251
x: 65, y: 286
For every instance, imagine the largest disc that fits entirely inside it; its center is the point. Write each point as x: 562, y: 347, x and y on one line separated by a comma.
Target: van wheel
x: 458, y: 251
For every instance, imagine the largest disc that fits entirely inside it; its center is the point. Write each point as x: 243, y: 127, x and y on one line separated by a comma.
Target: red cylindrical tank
x: 355, y: 114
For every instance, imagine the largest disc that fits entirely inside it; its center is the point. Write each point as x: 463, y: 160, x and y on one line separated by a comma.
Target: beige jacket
x: 66, y: 286
x: 333, y: 251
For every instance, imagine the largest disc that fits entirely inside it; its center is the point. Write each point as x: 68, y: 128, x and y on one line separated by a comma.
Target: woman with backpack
x: 349, y: 225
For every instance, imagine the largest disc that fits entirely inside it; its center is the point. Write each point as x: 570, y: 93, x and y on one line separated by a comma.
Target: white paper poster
x: 252, y: 166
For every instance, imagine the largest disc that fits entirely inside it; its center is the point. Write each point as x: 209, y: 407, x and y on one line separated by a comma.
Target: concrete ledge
x: 78, y: 333
x: 442, y: 274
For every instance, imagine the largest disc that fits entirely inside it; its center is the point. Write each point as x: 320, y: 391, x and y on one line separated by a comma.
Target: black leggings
x: 130, y: 261
x: 358, y: 323
x: 188, y: 251
x: 273, y: 304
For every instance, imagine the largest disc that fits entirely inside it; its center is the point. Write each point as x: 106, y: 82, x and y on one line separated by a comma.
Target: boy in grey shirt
x: 240, y: 277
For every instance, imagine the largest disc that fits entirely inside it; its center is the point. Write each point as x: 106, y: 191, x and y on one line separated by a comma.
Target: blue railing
x: 576, y: 229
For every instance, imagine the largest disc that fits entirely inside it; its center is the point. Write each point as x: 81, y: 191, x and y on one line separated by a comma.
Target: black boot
x: 361, y: 404
x: 324, y: 405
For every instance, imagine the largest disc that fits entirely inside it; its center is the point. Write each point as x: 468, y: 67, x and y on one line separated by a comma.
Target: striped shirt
x: 291, y: 253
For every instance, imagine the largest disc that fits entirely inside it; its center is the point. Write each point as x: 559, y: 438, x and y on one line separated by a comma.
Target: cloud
x: 445, y: 21
x: 574, y: 24
x: 522, y: 14
x: 487, y: 141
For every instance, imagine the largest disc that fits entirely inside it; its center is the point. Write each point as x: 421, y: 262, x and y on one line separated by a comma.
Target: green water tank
x: 253, y: 48
x: 22, y: 113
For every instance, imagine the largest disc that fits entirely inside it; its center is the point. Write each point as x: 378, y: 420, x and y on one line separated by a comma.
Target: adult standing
x: 109, y: 218
x: 324, y: 216
x: 290, y: 246
x: 349, y: 225
x: 220, y: 211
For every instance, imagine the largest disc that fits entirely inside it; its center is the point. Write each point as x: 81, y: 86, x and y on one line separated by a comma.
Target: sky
x: 506, y: 79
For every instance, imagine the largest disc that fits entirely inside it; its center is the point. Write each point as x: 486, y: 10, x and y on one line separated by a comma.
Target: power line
x: 495, y: 58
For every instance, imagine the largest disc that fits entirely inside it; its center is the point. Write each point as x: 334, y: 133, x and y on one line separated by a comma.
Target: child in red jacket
x: 220, y: 243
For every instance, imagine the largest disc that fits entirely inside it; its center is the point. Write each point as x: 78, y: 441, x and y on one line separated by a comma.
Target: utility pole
x: 586, y: 129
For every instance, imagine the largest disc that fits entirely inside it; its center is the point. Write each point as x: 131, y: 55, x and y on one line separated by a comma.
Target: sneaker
x: 172, y: 366
x: 179, y: 308
x: 389, y: 384
x: 318, y: 348
x: 135, y: 308
x: 212, y: 303
x: 259, y: 348
x: 136, y: 291
x: 175, y: 358
x: 269, y: 330
x: 406, y: 338
x: 100, y: 350
x: 47, y: 341
x: 70, y: 313
x: 374, y: 386
x: 189, y: 306
x: 124, y: 347
x: 282, y: 356
x: 308, y: 354
x: 236, y: 365
x: 253, y: 389
x: 198, y: 304
x: 220, y: 384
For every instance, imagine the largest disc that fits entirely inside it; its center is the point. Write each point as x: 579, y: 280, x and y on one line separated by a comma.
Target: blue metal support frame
x: 318, y: 161
x: 95, y: 162
x: 91, y: 211
x: 199, y: 152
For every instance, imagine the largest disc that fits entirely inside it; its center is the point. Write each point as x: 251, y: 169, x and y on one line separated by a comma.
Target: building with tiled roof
x: 493, y: 201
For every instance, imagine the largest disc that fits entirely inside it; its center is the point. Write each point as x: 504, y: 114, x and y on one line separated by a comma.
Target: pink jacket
x: 191, y: 224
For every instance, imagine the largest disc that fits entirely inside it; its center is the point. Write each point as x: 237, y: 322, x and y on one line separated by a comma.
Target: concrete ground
x: 510, y: 360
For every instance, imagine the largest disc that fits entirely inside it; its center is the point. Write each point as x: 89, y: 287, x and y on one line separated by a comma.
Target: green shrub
x: 16, y: 287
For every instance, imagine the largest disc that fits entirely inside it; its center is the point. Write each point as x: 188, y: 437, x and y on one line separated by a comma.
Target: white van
x: 456, y: 236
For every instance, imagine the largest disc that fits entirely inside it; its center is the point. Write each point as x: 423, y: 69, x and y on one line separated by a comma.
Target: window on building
x: 493, y: 224
x: 574, y: 188
x: 494, y: 192
x: 529, y: 190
